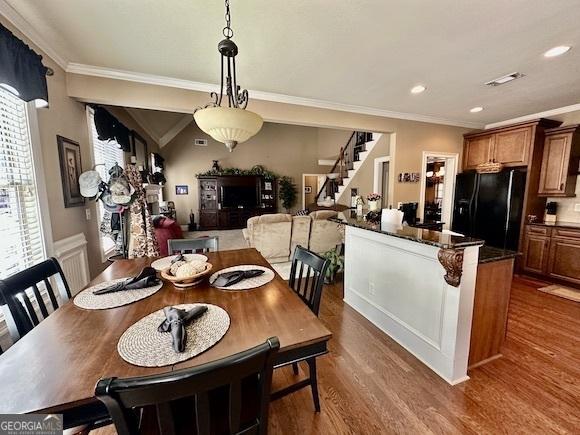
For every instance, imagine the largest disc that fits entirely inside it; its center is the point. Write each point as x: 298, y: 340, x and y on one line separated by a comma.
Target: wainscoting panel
x: 71, y: 253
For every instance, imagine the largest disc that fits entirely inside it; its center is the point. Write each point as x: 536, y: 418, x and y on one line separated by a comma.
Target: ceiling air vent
x: 504, y: 79
x: 200, y: 142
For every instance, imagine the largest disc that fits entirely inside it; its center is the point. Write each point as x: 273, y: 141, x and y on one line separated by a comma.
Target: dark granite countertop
x: 558, y: 224
x: 488, y: 254
x: 428, y: 237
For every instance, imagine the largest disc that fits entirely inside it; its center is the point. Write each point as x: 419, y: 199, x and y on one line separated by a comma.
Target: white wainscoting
x: 399, y: 286
x: 71, y: 253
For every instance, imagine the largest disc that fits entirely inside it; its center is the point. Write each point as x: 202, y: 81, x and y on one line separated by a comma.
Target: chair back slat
x: 165, y: 418
x: 308, y: 287
x: 125, y: 397
x: 202, y: 413
x: 187, y: 246
x: 30, y: 309
x: 40, y: 301
x: 13, y: 293
x: 51, y: 294
x: 235, y: 405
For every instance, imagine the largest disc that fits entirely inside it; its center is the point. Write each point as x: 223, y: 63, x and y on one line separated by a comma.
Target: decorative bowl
x: 190, y: 281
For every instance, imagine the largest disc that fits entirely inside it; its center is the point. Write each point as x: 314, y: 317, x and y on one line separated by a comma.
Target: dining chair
x: 241, y: 380
x: 184, y: 246
x: 14, y: 294
x: 306, y: 279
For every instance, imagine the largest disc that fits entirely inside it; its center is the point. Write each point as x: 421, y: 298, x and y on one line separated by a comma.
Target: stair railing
x: 345, y: 157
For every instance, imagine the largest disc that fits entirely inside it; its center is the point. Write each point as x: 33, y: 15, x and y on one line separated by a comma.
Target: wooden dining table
x: 55, y: 367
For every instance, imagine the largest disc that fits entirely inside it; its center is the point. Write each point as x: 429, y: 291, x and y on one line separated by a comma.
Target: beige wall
x: 67, y: 117
x: 284, y: 149
x: 412, y: 137
x: 566, y: 211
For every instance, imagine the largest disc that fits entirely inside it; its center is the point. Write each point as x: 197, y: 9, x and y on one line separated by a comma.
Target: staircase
x: 350, y: 159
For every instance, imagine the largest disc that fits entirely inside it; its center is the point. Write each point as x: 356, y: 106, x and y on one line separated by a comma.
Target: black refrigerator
x: 489, y: 206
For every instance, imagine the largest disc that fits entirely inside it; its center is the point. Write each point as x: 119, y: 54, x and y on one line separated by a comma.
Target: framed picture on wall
x: 69, y: 153
x: 181, y: 189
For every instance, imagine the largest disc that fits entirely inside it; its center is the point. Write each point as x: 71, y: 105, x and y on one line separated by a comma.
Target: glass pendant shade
x: 228, y: 125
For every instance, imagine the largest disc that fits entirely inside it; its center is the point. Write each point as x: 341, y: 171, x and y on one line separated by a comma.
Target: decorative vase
x: 373, y: 205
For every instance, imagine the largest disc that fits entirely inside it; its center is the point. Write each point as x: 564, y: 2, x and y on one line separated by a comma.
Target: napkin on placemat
x: 227, y: 279
x: 175, y: 321
x: 146, y: 278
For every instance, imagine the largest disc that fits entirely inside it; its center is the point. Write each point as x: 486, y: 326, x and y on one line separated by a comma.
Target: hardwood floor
x: 370, y: 385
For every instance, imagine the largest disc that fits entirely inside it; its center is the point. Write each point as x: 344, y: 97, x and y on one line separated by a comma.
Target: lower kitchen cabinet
x: 552, y: 252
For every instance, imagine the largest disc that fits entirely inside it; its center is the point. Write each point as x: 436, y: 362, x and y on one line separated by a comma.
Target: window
x: 20, y: 221
x: 105, y: 155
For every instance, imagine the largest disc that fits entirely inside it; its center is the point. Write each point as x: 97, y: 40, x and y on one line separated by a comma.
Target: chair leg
x: 295, y: 368
x: 314, y: 383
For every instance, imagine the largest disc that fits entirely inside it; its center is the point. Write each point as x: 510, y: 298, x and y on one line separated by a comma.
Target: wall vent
x: 200, y: 142
x: 504, y: 79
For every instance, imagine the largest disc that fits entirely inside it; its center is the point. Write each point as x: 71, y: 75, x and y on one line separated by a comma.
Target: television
x: 239, y: 197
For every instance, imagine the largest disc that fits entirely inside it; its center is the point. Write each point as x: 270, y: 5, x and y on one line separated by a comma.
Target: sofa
x: 277, y: 235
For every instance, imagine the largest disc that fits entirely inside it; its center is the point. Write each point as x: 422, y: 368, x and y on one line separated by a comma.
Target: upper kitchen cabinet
x: 560, y: 161
x: 512, y: 146
x: 477, y: 151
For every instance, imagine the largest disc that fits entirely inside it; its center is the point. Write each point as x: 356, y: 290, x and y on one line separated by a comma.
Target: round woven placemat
x: 245, y: 284
x: 87, y: 300
x: 142, y: 345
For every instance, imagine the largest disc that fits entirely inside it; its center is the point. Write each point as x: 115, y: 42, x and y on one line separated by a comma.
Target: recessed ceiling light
x: 557, y: 51
x: 418, y: 89
x: 476, y: 109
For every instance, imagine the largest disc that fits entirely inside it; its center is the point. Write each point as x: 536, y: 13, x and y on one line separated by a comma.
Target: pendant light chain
x: 227, y: 31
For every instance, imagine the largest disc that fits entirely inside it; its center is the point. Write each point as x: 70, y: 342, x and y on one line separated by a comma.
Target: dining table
x: 55, y: 367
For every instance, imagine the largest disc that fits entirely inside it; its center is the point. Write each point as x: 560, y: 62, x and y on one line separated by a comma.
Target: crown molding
x: 96, y: 71
x: 23, y: 26
x: 532, y: 116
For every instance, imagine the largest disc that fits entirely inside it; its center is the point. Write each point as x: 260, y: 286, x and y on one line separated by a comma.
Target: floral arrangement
x: 256, y: 170
x: 374, y: 197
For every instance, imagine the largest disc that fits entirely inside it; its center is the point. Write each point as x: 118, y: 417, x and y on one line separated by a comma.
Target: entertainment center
x: 228, y: 201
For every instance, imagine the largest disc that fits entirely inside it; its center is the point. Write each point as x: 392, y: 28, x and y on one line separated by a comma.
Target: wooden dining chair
x: 15, y: 294
x: 242, y: 380
x: 186, y: 246
x: 306, y: 279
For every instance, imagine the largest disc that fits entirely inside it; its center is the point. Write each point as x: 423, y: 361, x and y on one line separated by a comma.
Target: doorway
x: 381, y: 179
x: 311, y: 184
x: 437, y: 187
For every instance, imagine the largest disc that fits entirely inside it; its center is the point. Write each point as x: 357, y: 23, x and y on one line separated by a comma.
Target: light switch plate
x: 88, y: 213
x: 576, y: 207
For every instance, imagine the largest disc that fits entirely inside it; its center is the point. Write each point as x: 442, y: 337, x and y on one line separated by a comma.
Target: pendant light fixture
x: 233, y: 124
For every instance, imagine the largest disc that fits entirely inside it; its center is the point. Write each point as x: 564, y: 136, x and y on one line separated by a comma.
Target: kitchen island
x: 418, y: 286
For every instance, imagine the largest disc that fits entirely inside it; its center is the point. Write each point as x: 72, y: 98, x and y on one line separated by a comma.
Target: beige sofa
x: 276, y: 235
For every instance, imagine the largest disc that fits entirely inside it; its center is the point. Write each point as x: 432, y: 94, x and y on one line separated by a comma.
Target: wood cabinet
x: 560, y: 162
x: 215, y: 213
x: 535, y: 253
x: 564, y: 258
x: 477, y: 151
x: 512, y: 147
x: 553, y: 253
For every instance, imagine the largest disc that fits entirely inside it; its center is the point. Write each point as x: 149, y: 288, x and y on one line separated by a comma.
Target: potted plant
x: 373, y: 200
x: 288, y: 192
x: 336, y: 264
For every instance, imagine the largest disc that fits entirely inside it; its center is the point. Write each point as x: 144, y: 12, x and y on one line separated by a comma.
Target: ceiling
x: 366, y: 53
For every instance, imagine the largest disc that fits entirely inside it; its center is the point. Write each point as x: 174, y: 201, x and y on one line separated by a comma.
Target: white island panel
x: 399, y: 285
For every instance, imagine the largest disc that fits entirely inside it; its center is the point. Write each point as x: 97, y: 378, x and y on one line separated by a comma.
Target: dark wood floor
x: 370, y: 385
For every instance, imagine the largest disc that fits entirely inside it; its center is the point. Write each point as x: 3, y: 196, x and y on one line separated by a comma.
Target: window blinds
x: 22, y: 243
x: 105, y: 154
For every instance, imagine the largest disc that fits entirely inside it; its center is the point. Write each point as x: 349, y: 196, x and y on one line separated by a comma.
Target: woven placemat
x: 87, y: 300
x: 142, y: 345
x: 248, y: 283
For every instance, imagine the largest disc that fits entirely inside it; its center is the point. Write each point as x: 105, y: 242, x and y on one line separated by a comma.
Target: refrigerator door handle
x: 509, y: 207
x: 473, y: 205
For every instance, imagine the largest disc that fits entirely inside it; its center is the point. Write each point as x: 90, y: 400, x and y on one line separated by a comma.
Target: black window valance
x: 21, y: 68
x: 108, y: 128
